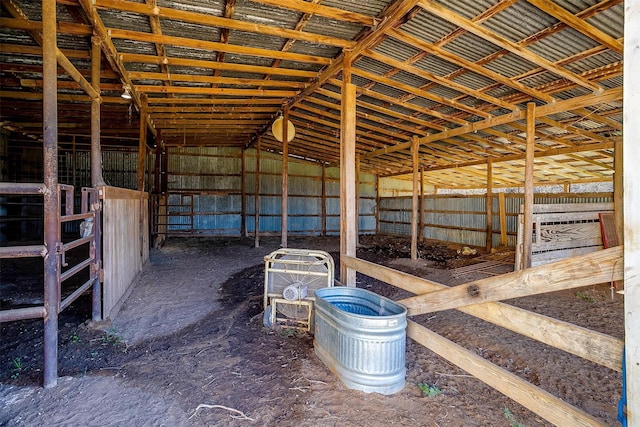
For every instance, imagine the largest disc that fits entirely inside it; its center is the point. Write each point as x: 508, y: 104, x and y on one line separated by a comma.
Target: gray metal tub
x: 361, y: 338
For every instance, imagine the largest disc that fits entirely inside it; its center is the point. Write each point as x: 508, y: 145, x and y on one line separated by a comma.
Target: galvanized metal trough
x: 361, y: 337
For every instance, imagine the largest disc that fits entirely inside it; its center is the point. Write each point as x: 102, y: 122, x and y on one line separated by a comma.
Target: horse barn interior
x: 494, y: 128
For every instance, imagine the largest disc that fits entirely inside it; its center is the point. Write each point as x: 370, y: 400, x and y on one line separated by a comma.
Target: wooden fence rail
x: 478, y: 299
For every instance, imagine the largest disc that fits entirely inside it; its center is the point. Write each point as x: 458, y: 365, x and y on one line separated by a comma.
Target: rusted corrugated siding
x: 462, y: 219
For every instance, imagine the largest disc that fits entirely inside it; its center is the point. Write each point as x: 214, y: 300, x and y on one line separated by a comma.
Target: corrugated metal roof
x: 476, y: 60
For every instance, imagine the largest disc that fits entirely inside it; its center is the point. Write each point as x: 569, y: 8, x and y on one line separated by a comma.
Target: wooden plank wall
x: 125, y: 243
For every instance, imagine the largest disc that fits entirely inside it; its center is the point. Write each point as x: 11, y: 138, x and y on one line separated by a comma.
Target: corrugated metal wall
x: 462, y: 218
x: 206, y: 187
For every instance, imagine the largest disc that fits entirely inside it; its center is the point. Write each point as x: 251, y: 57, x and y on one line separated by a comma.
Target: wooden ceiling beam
x: 171, y: 77
x: 502, y: 42
x: 37, y: 69
x: 216, y: 46
x: 215, y: 91
x: 563, y: 15
x: 419, y: 93
x: 213, y: 116
x: 32, y: 27
x: 418, y: 110
x: 15, y: 49
x: 36, y: 96
x: 197, y: 63
x: 367, y: 116
x: 390, y: 18
x: 572, y: 129
x: 110, y: 52
x: 215, y: 101
x: 384, y: 111
x: 156, y: 28
x: 468, y: 65
x: 320, y: 10
x: 439, y: 80
x: 542, y: 111
x: 221, y: 22
x: 211, y: 110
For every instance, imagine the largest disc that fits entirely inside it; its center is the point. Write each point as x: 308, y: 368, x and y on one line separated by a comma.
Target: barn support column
x: 377, y: 204
x: 96, y: 154
x: 157, y: 163
x: 50, y: 196
x: 285, y: 176
x: 415, y: 148
x: 618, y: 188
x: 503, y: 219
x: 631, y: 184
x: 528, y: 185
x: 256, y: 199
x: 243, y: 192
x: 142, y: 143
x: 357, y: 224
x: 489, y: 205
x: 323, y: 201
x: 421, y: 203
x: 348, y: 219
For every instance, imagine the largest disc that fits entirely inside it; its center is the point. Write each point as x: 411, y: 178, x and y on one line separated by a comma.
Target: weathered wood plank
x: 590, y: 345
x: 631, y: 200
x: 348, y: 217
x: 529, y: 186
x: 572, y: 207
x: 547, y: 257
x: 590, y: 269
x: 587, y: 233
x: 108, y: 192
x: 541, y: 402
x: 503, y: 220
x: 125, y: 242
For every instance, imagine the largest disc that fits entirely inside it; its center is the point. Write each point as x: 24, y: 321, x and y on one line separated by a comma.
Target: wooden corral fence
x: 126, y: 243
x: 481, y: 299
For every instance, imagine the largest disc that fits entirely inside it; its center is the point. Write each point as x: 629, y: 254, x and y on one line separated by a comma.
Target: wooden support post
x: 96, y: 154
x: 157, y: 164
x: 415, y: 149
x: 142, y: 144
x: 74, y: 160
x: 527, y: 237
x: 421, y: 201
x: 377, y: 204
x: 503, y: 220
x: 347, y: 173
x: 489, y: 205
x: 50, y: 195
x: 323, y: 201
x: 357, y: 223
x: 631, y: 197
x: 285, y: 177
x: 164, y: 179
x: 256, y: 199
x: 618, y: 188
x: 149, y: 168
x: 243, y: 202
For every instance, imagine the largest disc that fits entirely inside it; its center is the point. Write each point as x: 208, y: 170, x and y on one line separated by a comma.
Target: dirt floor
x: 189, y: 348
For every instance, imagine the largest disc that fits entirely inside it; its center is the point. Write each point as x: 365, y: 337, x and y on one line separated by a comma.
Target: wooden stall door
x: 126, y: 243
